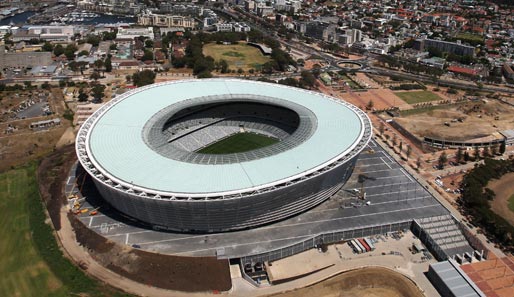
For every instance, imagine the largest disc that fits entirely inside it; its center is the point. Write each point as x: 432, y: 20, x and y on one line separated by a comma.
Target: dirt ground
x: 189, y: 274
x: 503, y: 188
x: 382, y: 99
x: 364, y: 282
x: 22, y: 147
x: 51, y: 173
x: 162, y: 271
x: 479, y: 115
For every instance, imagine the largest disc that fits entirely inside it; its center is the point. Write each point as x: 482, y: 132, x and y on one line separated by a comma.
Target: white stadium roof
x: 116, y: 147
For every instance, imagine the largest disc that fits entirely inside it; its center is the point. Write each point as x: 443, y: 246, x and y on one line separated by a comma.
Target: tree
x: 370, y: 104
x: 223, y: 66
x: 458, y: 155
x: 113, y: 47
x: 476, y: 153
x: 308, y: 79
x: 485, y: 152
x: 395, y: 139
x: 400, y: 146
x: 148, y: 56
x: 494, y: 150
x: 93, y: 40
x: 82, y: 96
x: 47, y: 47
x: 58, y: 50
x: 95, y: 75
x: 83, y: 53
x: 143, y: 78
x: 502, y: 147
x: 204, y: 74
x: 381, y: 128
x: 149, y: 43
x: 99, y: 64
x: 408, y: 152
x: 69, y: 51
x: 418, y: 163
x: 98, y: 92
x: 466, y: 156
x: 443, y: 158
x: 108, y: 64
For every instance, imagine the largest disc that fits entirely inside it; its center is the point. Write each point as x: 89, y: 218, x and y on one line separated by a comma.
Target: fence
x: 326, y: 238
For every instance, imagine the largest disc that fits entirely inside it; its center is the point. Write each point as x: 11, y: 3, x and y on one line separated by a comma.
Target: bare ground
x: 364, y: 282
x: 503, y: 188
x: 198, y: 274
x: 478, y: 115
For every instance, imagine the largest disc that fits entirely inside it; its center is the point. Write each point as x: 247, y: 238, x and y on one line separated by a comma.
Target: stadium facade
x: 141, y: 149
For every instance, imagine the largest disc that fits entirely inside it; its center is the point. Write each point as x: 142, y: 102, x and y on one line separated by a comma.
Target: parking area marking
x: 406, y: 174
x: 386, y: 163
x: 304, y: 223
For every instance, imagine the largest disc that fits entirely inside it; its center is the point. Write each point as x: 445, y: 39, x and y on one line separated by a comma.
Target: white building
x: 131, y: 33
x: 161, y: 20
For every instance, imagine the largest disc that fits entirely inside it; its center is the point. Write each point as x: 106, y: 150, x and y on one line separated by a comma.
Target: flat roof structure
x: 451, y: 281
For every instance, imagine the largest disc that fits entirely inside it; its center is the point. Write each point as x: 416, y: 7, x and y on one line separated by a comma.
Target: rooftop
x: 116, y: 146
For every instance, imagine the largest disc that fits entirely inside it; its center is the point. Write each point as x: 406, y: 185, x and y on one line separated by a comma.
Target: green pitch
x: 418, y: 96
x: 238, y: 143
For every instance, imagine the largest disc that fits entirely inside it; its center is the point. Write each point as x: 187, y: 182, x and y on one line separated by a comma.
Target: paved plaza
x: 393, y: 195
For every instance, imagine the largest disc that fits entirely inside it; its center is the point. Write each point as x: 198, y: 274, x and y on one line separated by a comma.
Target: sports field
x: 418, y: 96
x: 237, y: 55
x: 238, y: 143
x: 24, y: 272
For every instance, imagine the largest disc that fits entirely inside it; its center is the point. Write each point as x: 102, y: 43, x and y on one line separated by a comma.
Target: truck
x: 370, y: 244
x: 356, y: 247
x: 363, y: 249
x: 364, y: 244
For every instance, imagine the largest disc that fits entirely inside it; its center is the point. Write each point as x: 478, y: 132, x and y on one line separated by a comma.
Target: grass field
x: 238, y: 143
x: 237, y: 55
x: 418, y: 96
x: 351, y: 83
x: 31, y: 263
x: 511, y: 202
x: 24, y: 272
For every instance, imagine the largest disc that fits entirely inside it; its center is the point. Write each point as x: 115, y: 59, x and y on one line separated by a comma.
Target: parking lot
x: 391, y: 195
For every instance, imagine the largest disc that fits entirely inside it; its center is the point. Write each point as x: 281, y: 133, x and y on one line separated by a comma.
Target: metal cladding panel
x: 229, y: 214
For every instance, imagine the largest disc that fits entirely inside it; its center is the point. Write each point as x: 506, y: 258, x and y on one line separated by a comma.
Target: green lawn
x: 418, y: 96
x: 238, y: 143
x: 23, y: 270
x: 511, y: 202
x: 31, y: 264
x: 237, y: 55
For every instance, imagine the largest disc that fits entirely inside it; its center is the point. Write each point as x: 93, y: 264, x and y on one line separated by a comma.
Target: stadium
x: 219, y: 155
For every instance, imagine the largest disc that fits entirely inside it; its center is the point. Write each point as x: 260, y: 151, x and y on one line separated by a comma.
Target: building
x: 445, y: 46
x: 161, y: 20
x: 321, y: 30
x: 160, y: 179
x: 223, y: 27
x: 131, y: 33
x: 450, y: 281
x: 47, y: 33
x: 180, y: 9
x: 24, y: 59
x: 507, y: 71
